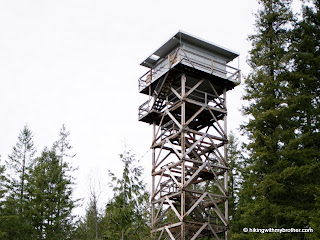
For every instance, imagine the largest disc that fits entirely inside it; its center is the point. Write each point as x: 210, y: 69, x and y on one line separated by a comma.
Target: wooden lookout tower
x: 186, y: 90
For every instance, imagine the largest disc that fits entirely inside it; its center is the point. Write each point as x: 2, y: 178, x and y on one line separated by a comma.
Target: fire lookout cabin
x: 184, y: 53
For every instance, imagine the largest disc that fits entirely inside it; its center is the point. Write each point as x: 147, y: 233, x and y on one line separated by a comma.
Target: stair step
x: 162, y: 93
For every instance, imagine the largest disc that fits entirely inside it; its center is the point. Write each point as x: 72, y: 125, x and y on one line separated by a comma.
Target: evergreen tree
x: 62, y: 148
x: 15, y: 206
x: 303, y: 106
x: 62, y: 145
x: 266, y: 89
x: 127, y: 213
x: 50, y: 197
x: 279, y: 189
x: 90, y: 227
x: 2, y: 183
x: 3, y: 190
x: 20, y: 161
x: 235, y: 160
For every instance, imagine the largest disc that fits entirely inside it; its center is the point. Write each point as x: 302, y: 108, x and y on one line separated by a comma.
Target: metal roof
x: 182, y: 37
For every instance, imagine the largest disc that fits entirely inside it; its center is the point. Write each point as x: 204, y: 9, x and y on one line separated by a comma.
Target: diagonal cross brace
x: 196, y: 203
x: 199, y: 231
x: 173, y: 208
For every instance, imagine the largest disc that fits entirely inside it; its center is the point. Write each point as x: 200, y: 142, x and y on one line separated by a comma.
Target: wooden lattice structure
x: 186, y: 88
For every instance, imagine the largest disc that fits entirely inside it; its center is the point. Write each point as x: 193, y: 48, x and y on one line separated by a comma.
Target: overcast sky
x: 76, y: 62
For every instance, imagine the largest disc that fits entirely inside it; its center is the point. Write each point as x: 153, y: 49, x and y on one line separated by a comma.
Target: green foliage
x: 90, y: 227
x: 16, y: 224
x: 303, y: 149
x: 35, y: 198
x: 49, y: 197
x: 127, y: 213
x: 3, y: 180
x: 3, y: 191
x: 280, y: 187
x: 62, y: 146
x: 20, y: 161
x: 235, y: 160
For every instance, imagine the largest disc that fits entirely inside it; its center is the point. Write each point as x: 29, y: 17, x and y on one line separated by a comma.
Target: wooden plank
x: 154, y: 194
x: 168, y: 226
x: 219, y: 185
x: 215, y: 92
x: 199, y: 231
x: 156, y: 216
x: 219, y: 213
x: 222, y: 130
x: 195, y: 174
x: 176, y: 93
x: 194, y: 115
x: 196, y: 204
x: 179, y: 155
x: 172, y: 165
x: 208, y: 107
x: 195, y: 144
x: 155, y: 137
x: 161, y: 234
x: 174, y: 178
x: 214, y: 233
x: 169, y: 196
x: 159, y: 154
x: 201, y: 192
x: 173, y: 118
x: 194, y: 88
x: 209, y: 135
x: 173, y: 208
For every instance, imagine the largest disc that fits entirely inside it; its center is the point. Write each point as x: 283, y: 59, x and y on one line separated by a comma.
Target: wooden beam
x: 196, y: 204
x: 173, y: 208
x: 199, y: 231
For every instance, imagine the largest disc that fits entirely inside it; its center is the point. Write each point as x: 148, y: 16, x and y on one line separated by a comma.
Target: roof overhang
x: 181, y: 37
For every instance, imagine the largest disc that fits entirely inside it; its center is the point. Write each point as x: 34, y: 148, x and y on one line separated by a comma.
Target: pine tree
x: 127, y: 215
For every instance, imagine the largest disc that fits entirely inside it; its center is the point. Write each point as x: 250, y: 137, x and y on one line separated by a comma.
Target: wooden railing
x: 192, y: 59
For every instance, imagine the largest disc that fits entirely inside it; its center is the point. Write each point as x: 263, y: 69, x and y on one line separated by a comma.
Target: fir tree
x: 20, y: 161
x: 89, y: 227
x: 2, y: 183
x: 279, y: 189
x: 235, y: 160
x: 50, y: 197
x: 16, y: 204
x: 62, y: 145
x: 266, y: 90
x: 3, y: 190
x: 302, y: 152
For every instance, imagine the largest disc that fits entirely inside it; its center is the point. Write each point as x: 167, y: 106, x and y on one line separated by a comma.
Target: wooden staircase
x: 161, y: 92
